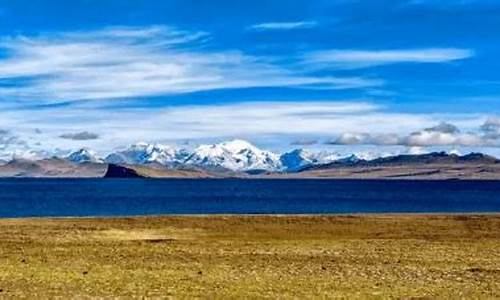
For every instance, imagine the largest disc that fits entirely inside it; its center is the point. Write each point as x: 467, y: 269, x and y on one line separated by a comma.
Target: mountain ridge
x: 433, y: 166
x: 235, y: 158
x: 408, y: 159
x: 438, y: 165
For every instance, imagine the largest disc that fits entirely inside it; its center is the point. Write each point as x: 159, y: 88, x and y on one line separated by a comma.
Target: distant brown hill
x: 138, y: 171
x: 61, y: 168
x: 51, y: 167
x: 408, y: 159
x: 438, y: 165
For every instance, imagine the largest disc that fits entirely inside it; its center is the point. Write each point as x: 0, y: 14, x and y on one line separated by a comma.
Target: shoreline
x: 260, y: 177
x: 307, y: 215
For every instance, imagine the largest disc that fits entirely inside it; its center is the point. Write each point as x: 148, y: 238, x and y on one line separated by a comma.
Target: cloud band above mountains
x: 345, y: 123
x: 443, y: 134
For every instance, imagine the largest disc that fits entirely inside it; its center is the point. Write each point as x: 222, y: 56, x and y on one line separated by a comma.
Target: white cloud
x: 434, y: 138
x: 449, y: 134
x: 491, y: 128
x: 11, y: 145
x: 7, y: 139
x: 416, y: 150
x: 131, y: 62
x: 304, y: 142
x: 284, y: 25
x: 443, y: 134
x: 348, y: 138
x: 367, y: 58
x: 80, y: 136
x: 281, y: 122
x: 443, y: 127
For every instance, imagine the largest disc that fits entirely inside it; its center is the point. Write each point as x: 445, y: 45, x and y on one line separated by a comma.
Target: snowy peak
x: 237, y: 146
x: 235, y: 155
x: 298, y: 159
x: 84, y: 155
x: 143, y: 153
x: 238, y: 156
x: 351, y: 159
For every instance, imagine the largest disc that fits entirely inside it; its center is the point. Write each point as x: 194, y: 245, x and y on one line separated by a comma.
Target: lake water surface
x: 122, y: 197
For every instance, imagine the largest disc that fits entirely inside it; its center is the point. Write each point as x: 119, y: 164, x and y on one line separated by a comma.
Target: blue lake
x: 122, y: 197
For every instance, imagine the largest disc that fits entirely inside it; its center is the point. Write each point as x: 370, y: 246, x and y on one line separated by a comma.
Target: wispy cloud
x: 124, y: 62
x: 367, y: 58
x: 283, y: 25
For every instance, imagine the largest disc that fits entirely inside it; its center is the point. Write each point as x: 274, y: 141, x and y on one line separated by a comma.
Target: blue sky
x: 341, y: 74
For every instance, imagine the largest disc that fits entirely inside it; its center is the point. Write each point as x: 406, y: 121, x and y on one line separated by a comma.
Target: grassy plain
x: 362, y: 256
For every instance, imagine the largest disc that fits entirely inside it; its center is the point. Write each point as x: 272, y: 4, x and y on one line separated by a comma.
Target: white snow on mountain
x: 350, y: 159
x: 235, y: 155
x: 300, y: 158
x: 143, y: 153
x: 26, y: 155
x: 370, y: 155
x: 84, y: 155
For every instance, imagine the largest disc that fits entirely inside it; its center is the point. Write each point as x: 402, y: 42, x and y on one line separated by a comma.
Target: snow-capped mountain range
x: 231, y: 156
x: 236, y: 155
x: 300, y: 158
x: 144, y: 153
x: 84, y: 155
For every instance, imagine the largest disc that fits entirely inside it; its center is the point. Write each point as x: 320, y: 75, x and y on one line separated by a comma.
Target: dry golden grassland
x: 369, y: 256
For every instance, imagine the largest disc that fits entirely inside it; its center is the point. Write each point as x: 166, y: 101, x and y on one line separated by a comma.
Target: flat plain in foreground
x: 362, y: 256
